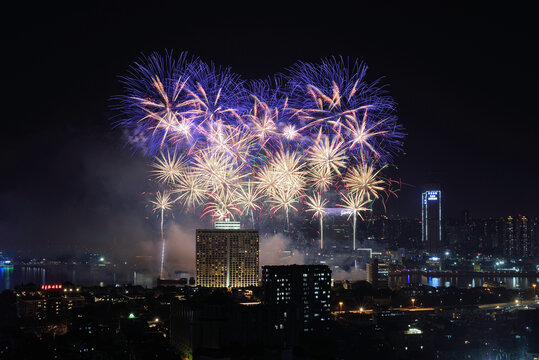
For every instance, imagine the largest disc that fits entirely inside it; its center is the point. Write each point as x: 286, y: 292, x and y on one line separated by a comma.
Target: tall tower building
x: 509, y: 240
x: 517, y: 237
x: 431, y: 220
x: 227, y: 258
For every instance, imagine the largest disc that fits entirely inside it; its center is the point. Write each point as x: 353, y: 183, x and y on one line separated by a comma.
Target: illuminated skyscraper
x: 431, y: 220
x: 227, y: 258
x: 517, y: 237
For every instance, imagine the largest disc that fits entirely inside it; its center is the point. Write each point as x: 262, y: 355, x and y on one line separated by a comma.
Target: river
x: 86, y: 275
x: 461, y: 281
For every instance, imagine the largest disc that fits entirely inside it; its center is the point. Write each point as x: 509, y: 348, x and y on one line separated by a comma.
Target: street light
x: 534, y: 285
x: 413, y: 302
x: 340, y: 306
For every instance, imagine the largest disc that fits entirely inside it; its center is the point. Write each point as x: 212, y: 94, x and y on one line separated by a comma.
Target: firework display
x: 163, y: 201
x: 230, y: 149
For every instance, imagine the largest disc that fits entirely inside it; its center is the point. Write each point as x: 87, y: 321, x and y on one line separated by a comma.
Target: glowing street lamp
x: 413, y: 302
x: 340, y: 306
x: 534, y: 285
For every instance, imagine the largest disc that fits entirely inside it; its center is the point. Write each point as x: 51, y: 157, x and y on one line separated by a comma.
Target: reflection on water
x: 92, y: 276
x: 6, y: 273
x: 511, y: 282
x: 434, y: 282
x: 77, y: 274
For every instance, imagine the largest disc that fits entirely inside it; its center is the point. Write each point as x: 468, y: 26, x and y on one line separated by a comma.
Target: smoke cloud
x: 180, y: 250
x: 352, y: 275
x: 277, y: 250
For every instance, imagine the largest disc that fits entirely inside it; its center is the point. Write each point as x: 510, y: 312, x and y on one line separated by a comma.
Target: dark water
x: 511, y: 282
x: 108, y: 275
x: 77, y: 274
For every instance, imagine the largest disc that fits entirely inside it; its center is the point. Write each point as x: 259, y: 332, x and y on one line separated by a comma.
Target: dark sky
x: 465, y: 80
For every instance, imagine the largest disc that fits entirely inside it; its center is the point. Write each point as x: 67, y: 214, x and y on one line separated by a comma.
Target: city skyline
x: 221, y: 181
x: 95, y: 199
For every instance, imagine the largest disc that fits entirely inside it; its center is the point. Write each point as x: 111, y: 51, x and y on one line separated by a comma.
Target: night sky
x: 464, y: 80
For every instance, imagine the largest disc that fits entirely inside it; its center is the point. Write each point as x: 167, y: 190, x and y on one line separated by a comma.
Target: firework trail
x: 355, y: 203
x: 317, y: 205
x: 229, y: 148
x: 162, y: 202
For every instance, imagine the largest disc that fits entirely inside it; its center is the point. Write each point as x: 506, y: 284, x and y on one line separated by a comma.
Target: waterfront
x: 87, y: 275
x: 79, y: 274
x: 461, y: 281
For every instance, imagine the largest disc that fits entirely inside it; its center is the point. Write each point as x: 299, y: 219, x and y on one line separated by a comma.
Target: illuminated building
x: 378, y: 274
x: 227, y: 258
x: 51, y: 301
x: 227, y: 225
x: 431, y: 220
x: 305, y: 289
x: 517, y: 237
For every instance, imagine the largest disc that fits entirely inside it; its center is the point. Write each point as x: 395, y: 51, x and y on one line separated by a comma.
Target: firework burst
x: 222, y: 206
x: 320, y: 178
x: 217, y: 170
x: 191, y: 190
x: 248, y: 199
x: 169, y: 168
x: 289, y: 171
x: 236, y: 148
x: 284, y: 199
x: 364, y: 180
x: 327, y: 155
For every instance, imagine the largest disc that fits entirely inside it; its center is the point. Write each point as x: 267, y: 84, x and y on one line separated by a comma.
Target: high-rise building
x: 227, y: 258
x: 517, y: 237
x: 494, y: 235
x: 378, y: 274
x: 306, y: 289
x: 431, y: 220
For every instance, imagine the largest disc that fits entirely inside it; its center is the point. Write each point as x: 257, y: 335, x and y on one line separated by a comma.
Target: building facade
x: 227, y: 258
x: 431, y: 220
x: 517, y: 237
x: 378, y: 274
x: 304, y: 289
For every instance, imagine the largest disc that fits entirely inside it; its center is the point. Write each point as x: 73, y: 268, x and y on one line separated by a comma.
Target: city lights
x: 189, y: 181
